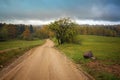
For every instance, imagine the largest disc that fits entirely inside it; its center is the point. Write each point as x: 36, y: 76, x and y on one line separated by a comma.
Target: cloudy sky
x: 45, y: 11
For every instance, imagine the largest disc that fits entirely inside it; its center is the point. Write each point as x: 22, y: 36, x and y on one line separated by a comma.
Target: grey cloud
x: 82, y: 9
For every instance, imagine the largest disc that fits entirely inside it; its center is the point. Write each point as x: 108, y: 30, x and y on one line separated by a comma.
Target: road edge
x: 78, y: 66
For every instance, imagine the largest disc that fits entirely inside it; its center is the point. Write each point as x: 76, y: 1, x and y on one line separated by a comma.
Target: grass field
x: 105, y: 49
x: 21, y: 46
x: 18, y: 44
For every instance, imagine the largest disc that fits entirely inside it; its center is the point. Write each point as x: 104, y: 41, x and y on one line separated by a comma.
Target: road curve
x: 45, y: 63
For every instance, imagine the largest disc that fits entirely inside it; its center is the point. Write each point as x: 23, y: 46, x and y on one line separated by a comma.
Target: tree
x: 117, y: 29
x: 12, y: 31
x: 3, y: 34
x: 21, y: 29
x: 31, y: 29
x: 64, y: 30
x: 26, y: 34
x: 44, y: 32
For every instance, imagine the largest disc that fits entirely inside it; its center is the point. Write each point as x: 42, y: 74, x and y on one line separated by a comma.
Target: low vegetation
x: 18, y: 44
x: 105, y: 49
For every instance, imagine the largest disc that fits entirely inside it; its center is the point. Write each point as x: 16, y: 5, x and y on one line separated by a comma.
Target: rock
x: 88, y: 54
x: 1, y: 66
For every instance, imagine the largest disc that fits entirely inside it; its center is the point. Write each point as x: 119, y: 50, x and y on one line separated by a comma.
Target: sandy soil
x: 45, y: 63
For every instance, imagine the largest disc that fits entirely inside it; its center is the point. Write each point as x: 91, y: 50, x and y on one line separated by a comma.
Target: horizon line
x: 77, y: 21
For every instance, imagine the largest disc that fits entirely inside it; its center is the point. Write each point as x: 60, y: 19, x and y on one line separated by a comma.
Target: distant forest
x: 30, y: 32
x: 100, y: 30
x: 21, y: 31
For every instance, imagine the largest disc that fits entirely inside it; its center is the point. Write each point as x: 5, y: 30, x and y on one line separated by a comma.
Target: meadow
x: 106, y: 51
x: 18, y: 44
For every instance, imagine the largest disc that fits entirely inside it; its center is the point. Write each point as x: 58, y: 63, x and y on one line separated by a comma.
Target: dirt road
x: 45, y: 63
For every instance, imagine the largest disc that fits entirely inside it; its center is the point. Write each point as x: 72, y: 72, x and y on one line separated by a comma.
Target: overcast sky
x: 45, y: 11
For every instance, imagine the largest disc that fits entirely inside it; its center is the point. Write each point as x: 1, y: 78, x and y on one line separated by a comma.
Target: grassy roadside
x: 18, y: 44
x: 105, y: 49
x: 9, y: 56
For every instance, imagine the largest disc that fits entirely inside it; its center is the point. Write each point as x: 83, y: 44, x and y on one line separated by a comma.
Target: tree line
x: 101, y: 30
x: 64, y: 30
x: 20, y: 31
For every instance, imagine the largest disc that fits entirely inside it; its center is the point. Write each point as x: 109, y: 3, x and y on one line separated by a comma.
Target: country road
x: 45, y: 63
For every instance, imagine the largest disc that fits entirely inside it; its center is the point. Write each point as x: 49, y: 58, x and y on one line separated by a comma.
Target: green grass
x: 18, y: 44
x: 21, y: 47
x: 105, y: 49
